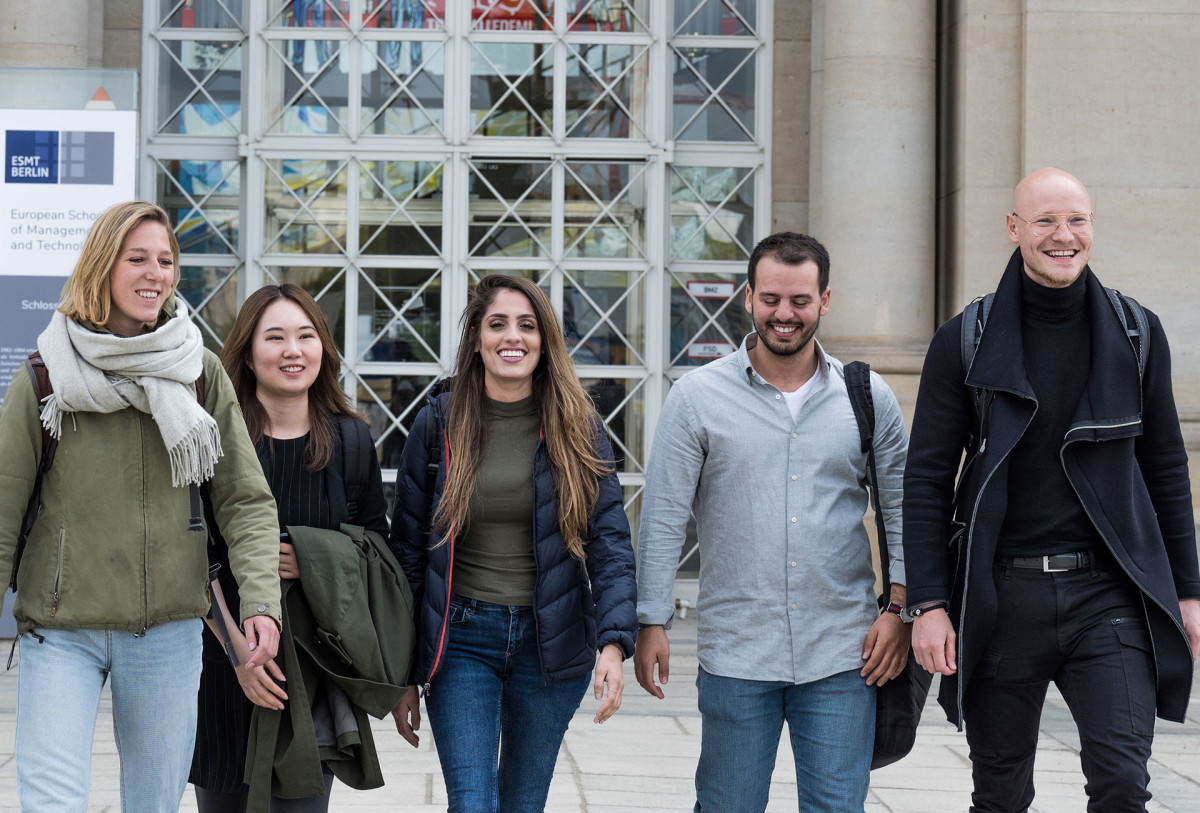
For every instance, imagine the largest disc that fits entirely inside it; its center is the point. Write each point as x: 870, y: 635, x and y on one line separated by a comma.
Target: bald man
x: 1068, y: 551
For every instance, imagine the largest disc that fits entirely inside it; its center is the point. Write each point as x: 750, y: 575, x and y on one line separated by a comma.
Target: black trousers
x: 1086, y: 631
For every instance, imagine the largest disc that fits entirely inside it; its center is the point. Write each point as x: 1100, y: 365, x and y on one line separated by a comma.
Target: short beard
x: 806, y: 335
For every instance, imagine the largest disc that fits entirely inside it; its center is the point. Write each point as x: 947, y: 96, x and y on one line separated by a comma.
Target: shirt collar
x: 752, y: 375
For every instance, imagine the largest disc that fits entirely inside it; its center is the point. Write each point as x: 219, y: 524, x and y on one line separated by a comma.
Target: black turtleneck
x: 1044, y: 515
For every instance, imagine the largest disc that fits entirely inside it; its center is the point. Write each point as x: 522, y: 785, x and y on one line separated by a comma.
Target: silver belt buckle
x: 1047, y: 569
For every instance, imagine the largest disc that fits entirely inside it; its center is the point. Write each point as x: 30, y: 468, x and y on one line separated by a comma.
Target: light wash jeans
x: 832, y: 726
x: 155, y: 678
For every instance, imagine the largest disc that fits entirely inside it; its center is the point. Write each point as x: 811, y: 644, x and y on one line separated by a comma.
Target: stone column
x: 878, y: 178
x: 46, y: 34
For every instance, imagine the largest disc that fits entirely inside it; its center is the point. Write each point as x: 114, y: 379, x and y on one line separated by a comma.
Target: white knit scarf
x: 154, y: 373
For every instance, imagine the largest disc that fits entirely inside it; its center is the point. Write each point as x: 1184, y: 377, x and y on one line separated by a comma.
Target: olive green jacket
x: 111, y: 547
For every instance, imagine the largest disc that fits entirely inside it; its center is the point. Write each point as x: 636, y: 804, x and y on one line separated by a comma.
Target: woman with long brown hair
x: 517, y: 551
x: 284, y: 366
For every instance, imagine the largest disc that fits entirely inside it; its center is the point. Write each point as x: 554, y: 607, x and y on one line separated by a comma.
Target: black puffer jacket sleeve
x: 609, y: 562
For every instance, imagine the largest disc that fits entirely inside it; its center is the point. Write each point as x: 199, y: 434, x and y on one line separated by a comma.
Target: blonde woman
x: 112, y: 580
x: 518, y: 554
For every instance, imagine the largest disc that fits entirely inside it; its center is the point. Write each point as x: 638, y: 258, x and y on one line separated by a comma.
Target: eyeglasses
x: 1044, y: 224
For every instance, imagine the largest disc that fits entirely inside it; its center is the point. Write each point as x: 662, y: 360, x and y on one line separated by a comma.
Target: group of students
x: 519, y: 574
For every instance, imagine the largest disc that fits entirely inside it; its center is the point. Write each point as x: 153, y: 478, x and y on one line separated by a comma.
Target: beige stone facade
x: 899, y: 129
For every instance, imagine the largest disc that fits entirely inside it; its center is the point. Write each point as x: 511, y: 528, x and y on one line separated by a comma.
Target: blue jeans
x: 155, y: 678
x: 832, y: 727
x: 496, y: 721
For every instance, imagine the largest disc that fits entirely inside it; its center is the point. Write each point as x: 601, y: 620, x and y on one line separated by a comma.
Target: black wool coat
x: 579, y: 606
x: 1123, y: 454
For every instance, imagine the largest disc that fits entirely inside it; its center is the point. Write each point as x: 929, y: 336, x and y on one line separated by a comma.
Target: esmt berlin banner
x: 62, y: 168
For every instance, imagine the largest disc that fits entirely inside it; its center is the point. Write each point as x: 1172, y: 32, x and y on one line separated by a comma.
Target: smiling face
x: 510, y: 344
x: 1057, y: 259
x: 141, y: 280
x: 786, y: 305
x: 286, y: 354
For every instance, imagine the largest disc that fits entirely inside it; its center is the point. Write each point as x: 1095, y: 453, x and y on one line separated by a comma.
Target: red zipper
x: 437, y: 658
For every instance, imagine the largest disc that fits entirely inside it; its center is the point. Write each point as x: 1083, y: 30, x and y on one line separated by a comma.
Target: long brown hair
x: 568, y: 417
x: 325, y: 397
x: 87, y: 295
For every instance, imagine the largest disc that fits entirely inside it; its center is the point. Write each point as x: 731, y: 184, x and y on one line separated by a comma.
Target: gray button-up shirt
x: 786, y: 583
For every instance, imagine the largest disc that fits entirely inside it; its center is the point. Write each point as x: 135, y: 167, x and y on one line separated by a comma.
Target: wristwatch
x: 911, y: 613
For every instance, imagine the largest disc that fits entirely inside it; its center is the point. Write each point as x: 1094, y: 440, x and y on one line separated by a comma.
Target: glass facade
x: 386, y: 154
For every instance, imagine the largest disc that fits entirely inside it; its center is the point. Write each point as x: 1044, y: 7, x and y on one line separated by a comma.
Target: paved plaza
x: 642, y: 760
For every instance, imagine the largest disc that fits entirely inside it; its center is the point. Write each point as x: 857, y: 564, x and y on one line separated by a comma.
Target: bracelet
x: 894, y: 608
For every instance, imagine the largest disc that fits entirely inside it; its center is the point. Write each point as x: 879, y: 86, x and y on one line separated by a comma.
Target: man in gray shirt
x: 763, y: 447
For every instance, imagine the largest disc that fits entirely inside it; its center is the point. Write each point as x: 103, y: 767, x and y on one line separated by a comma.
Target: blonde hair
x: 568, y: 417
x: 87, y: 295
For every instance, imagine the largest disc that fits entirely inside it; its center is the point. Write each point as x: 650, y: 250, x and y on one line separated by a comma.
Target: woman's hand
x: 258, y: 686
x: 407, y: 715
x: 288, y: 569
x: 608, y: 670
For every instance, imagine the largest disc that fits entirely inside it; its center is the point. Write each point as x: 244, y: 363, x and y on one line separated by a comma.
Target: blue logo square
x: 31, y: 156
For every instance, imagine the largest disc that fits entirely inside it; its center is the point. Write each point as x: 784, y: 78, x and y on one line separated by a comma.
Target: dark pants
x: 1086, y: 631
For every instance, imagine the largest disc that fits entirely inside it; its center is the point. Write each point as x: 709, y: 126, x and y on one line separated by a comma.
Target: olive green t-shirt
x: 493, y: 561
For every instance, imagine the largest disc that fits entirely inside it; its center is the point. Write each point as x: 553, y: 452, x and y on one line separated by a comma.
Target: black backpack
x: 899, y: 702
x: 974, y: 320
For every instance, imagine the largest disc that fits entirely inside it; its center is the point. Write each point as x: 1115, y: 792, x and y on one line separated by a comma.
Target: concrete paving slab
x: 643, y: 760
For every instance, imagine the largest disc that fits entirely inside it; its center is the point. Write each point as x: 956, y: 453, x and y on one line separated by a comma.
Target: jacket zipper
x: 537, y: 566
x: 962, y: 611
x: 1111, y: 425
x: 437, y: 658
x: 62, y: 540
x: 1145, y: 593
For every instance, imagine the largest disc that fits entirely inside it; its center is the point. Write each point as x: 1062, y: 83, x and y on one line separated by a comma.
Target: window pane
x: 511, y: 15
x: 399, y: 314
x: 308, y: 86
x: 708, y: 317
x: 203, y: 200
x: 400, y: 207
x: 306, y: 206
x: 511, y: 83
x: 621, y: 403
x: 700, y: 112
x: 200, y: 13
x: 715, y: 17
x: 211, y: 293
x: 712, y: 213
x: 605, y: 210
x: 391, y: 403
x: 202, y: 89
x: 526, y: 188
x: 602, y: 317
x: 403, y: 88
x: 606, y: 91
x: 609, y: 15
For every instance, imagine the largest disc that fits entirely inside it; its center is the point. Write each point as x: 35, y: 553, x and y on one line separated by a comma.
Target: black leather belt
x: 1058, y: 563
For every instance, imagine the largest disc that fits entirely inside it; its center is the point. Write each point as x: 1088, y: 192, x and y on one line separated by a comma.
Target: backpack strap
x: 39, y: 376
x: 1139, y: 333
x: 196, y: 520
x: 858, y: 387
x: 356, y: 466
x: 433, y: 453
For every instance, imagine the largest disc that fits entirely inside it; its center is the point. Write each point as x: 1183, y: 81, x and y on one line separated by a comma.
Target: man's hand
x: 261, y: 686
x: 652, y: 648
x: 407, y: 715
x: 886, y: 649
x: 933, y: 642
x: 609, y: 670
x: 262, y: 639
x: 288, y: 569
x: 1189, y: 608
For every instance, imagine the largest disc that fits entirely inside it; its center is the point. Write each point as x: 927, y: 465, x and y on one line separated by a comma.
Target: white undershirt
x: 795, y: 400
